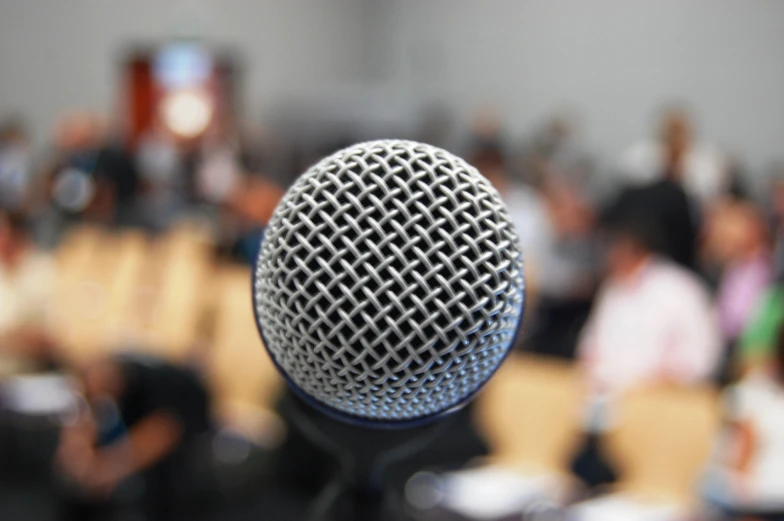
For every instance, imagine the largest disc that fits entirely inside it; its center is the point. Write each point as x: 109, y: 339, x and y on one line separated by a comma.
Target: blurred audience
x: 116, y: 170
x: 558, y: 164
x: 91, y: 176
x: 674, y: 154
x: 737, y: 187
x: 739, y: 240
x: 161, y: 168
x: 652, y: 321
x: 681, y: 214
x: 557, y: 154
x: 563, y: 170
x: 249, y: 210
x: 218, y: 169
x: 16, y: 166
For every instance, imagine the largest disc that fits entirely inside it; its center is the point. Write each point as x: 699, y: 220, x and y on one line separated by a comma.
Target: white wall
x: 57, y: 55
x: 616, y: 61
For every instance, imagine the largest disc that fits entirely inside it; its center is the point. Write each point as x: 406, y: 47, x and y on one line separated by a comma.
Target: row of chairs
x: 124, y: 288
x: 168, y: 296
x: 661, y: 440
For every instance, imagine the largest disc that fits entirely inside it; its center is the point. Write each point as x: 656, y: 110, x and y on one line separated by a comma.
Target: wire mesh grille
x: 389, y: 284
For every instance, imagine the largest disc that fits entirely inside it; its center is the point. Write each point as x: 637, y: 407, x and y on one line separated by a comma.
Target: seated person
x: 741, y: 247
x: 675, y: 212
x: 748, y: 473
x: 165, y: 410
x: 757, y: 344
x: 652, y: 320
x: 26, y: 287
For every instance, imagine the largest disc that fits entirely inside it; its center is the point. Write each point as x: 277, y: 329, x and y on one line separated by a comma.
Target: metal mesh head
x: 389, y: 284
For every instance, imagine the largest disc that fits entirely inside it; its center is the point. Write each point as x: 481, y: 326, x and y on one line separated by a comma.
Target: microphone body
x: 364, y: 486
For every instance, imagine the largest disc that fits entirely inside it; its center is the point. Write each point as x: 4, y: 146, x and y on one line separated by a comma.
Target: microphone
x: 389, y: 285
x: 387, y: 290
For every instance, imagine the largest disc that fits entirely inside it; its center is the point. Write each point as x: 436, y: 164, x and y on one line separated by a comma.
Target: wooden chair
x: 125, y: 264
x: 77, y: 248
x: 530, y: 414
x: 96, y: 275
x: 663, y: 440
x: 74, y: 260
x: 244, y: 379
x: 170, y: 298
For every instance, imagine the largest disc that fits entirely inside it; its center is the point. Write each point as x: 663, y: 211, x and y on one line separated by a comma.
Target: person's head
x: 736, y: 231
x: 571, y: 213
x: 12, y: 130
x: 559, y: 128
x: 632, y: 238
x: 489, y: 159
x: 675, y: 131
x: 77, y: 132
x: 486, y: 124
x: 14, y: 238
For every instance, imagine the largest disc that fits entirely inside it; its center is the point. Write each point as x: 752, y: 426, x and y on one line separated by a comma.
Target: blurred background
x: 638, y: 145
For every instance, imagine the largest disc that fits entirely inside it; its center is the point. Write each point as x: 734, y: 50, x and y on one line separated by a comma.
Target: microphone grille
x: 389, y: 284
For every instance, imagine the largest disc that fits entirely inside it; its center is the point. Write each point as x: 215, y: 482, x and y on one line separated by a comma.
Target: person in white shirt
x: 701, y: 168
x: 746, y: 476
x: 652, y: 320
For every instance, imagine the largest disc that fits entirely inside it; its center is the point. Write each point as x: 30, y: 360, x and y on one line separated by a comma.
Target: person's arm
x: 744, y: 445
x: 741, y: 407
x: 76, y: 449
x: 148, y: 442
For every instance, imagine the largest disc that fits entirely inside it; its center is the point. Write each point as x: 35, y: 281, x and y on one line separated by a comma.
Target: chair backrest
x: 77, y: 248
x: 240, y: 367
x: 663, y: 439
x: 96, y: 275
x: 171, y: 301
x: 530, y: 413
x: 123, y: 264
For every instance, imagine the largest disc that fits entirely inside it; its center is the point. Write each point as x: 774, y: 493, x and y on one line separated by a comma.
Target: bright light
x: 187, y: 113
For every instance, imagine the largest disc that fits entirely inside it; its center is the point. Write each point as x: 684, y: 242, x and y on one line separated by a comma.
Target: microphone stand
x: 360, y: 492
